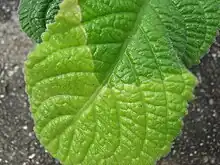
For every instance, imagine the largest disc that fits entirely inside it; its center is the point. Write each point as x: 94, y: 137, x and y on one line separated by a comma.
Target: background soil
x: 198, y: 144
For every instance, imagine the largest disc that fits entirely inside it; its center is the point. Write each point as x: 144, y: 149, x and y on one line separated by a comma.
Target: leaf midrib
x: 117, y: 61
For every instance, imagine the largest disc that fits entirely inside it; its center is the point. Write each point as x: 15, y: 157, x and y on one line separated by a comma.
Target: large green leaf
x: 109, y: 83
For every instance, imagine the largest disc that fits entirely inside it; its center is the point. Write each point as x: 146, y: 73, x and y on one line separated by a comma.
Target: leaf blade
x: 114, y: 85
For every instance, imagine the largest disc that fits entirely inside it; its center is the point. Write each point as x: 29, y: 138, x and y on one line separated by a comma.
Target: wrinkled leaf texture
x: 109, y: 82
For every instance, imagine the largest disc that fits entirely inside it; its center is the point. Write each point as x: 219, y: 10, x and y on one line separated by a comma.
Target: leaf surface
x: 109, y: 83
x: 34, y: 15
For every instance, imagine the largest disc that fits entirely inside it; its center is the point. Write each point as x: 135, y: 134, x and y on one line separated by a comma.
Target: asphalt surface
x: 198, y: 144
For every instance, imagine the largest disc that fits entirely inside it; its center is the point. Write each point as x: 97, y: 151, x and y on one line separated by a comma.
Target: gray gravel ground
x: 199, y: 143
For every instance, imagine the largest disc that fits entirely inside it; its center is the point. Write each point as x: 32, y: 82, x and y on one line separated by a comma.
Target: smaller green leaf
x: 34, y: 15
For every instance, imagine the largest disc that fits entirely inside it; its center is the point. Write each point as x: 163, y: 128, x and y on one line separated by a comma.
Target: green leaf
x: 34, y: 15
x: 109, y: 83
